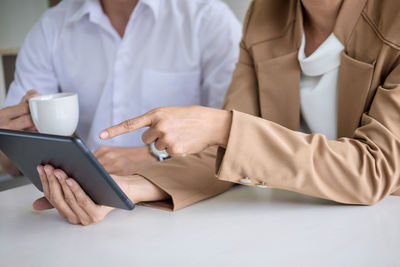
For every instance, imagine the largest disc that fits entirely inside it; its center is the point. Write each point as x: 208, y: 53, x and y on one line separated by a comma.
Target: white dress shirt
x: 318, y: 87
x: 174, y: 52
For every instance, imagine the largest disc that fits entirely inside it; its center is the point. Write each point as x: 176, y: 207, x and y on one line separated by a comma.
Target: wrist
x: 223, y: 127
x: 142, y: 190
x: 144, y: 154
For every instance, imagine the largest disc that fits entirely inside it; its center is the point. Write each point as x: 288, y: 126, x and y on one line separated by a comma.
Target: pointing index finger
x: 127, y: 126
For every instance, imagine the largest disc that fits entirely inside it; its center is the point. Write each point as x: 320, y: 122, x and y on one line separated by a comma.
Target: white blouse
x: 318, y: 87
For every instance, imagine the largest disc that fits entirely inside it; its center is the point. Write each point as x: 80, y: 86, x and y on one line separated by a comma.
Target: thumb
x: 42, y: 204
x: 30, y: 94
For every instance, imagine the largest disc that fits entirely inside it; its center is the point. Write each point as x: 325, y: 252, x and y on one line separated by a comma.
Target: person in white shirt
x: 125, y: 57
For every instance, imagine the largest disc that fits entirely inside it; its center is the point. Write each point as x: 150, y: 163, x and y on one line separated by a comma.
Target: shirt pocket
x: 162, y: 89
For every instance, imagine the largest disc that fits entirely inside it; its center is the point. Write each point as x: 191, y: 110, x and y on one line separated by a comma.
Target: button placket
x: 118, y: 79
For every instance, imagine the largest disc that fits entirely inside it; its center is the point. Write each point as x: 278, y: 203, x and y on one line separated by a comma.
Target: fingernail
x: 104, y: 135
x: 69, y: 182
x: 56, y: 174
x: 39, y: 170
x: 47, y: 171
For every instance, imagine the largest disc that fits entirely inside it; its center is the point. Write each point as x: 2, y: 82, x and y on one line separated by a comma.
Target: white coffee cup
x: 55, y: 114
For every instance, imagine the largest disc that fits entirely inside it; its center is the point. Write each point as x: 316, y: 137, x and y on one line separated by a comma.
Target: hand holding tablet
x: 72, y: 202
x: 67, y: 160
x: 68, y: 197
x: 62, y: 167
x: 28, y: 150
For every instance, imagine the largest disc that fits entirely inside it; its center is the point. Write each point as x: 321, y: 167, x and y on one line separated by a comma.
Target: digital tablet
x: 27, y: 150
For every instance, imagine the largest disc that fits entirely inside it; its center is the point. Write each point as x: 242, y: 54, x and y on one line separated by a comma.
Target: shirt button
x: 262, y: 185
x: 245, y: 180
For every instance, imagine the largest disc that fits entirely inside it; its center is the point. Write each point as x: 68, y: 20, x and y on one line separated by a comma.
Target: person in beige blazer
x: 256, y: 139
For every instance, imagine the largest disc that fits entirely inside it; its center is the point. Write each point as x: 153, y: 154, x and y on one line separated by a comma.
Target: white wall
x: 239, y: 7
x: 16, y: 19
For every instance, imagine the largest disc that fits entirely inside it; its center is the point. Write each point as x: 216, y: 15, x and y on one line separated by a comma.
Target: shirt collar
x: 88, y: 7
x: 154, y: 6
x: 93, y: 7
x: 322, y: 60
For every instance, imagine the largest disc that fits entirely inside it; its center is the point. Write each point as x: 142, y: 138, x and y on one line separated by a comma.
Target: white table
x: 243, y: 227
x: 8, y: 182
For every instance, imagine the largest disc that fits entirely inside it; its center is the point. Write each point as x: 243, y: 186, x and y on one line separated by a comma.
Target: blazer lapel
x: 279, y: 85
x: 355, y: 79
x: 348, y: 17
x: 352, y: 92
x: 279, y: 76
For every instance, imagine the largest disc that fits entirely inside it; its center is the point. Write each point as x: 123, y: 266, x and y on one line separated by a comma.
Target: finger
x: 175, y: 151
x: 71, y: 200
x: 84, y: 201
x: 46, y: 190
x: 150, y: 135
x: 25, y: 97
x: 57, y: 196
x: 30, y: 94
x: 15, y: 111
x: 108, y: 166
x: 103, y: 161
x: 31, y: 129
x: 108, y: 158
x: 112, y: 167
x: 42, y: 204
x: 21, y: 123
x: 43, y: 179
x: 161, y: 144
x: 127, y: 126
x: 101, y: 151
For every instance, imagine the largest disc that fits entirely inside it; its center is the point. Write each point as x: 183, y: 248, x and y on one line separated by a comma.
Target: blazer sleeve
x: 359, y: 170
x: 191, y: 179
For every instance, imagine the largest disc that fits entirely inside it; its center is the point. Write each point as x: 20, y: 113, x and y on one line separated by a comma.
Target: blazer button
x: 245, y: 180
x: 262, y: 185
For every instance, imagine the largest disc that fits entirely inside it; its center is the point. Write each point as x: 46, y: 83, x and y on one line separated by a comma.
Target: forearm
x: 354, y: 171
x: 186, y: 180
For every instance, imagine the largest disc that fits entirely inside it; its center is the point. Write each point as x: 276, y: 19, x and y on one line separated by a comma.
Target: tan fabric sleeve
x: 186, y: 179
x: 359, y: 170
x: 191, y: 179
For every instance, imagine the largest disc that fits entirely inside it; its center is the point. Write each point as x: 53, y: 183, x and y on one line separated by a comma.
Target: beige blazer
x: 361, y: 167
